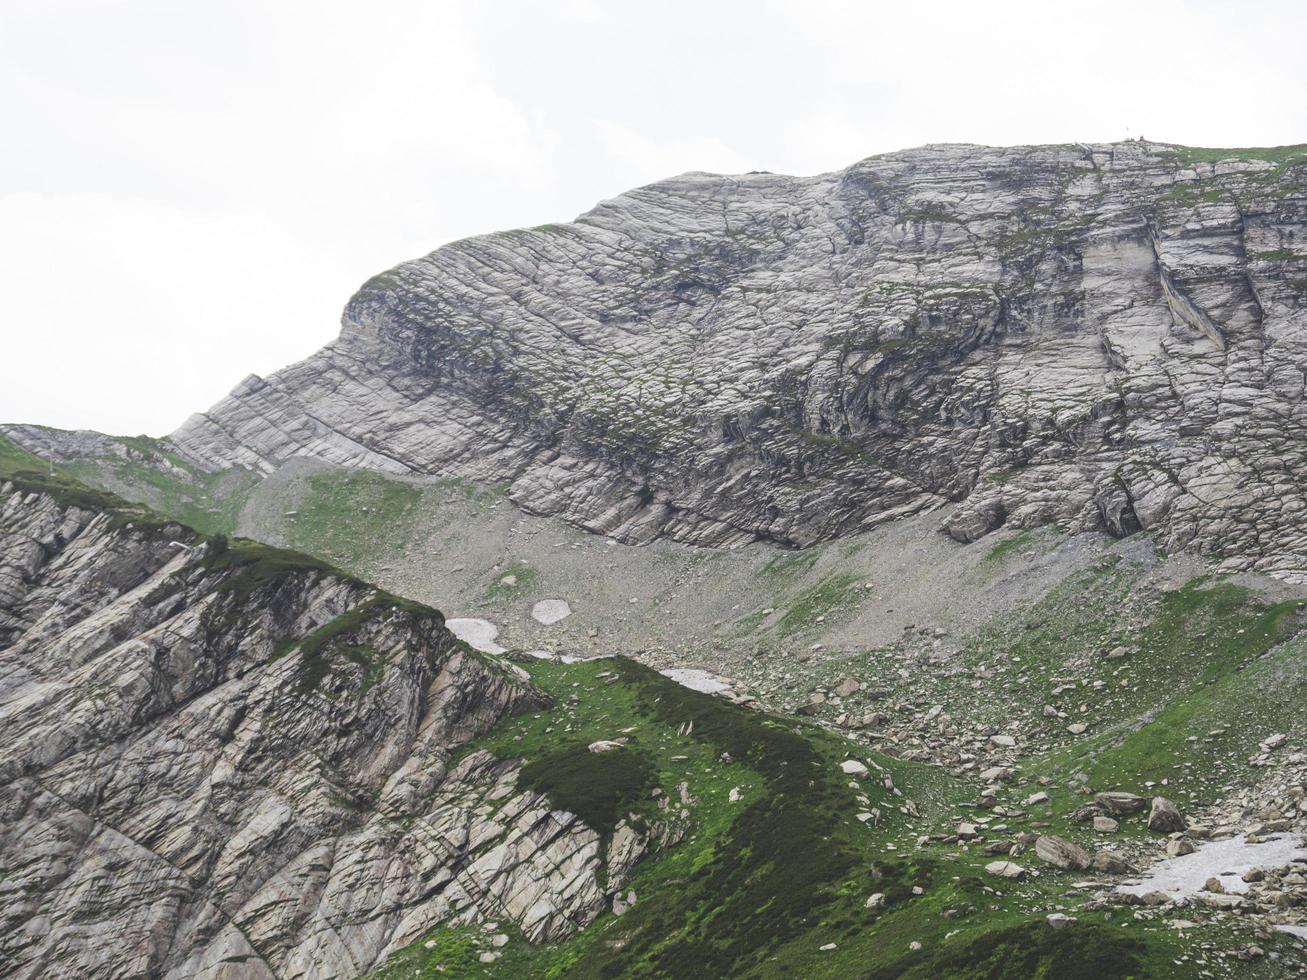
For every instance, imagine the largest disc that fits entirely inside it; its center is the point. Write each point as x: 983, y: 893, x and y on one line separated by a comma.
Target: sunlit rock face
x: 1106, y: 337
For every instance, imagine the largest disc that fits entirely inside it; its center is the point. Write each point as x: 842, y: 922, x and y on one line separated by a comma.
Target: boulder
x: 1120, y: 804
x: 1005, y: 869
x: 1179, y: 847
x: 1062, y: 853
x: 1111, y: 863
x: 1164, y: 817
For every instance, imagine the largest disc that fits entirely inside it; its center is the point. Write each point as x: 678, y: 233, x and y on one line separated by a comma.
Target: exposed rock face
x: 241, y: 763
x: 1106, y: 336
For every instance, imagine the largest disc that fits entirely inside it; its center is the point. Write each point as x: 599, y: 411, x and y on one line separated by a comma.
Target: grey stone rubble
x: 1102, y: 336
x: 297, y: 813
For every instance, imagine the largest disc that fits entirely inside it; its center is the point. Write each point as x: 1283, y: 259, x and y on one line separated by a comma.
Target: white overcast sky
x: 190, y: 191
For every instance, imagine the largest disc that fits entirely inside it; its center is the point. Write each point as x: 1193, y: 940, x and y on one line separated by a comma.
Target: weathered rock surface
x: 1107, y: 336
x: 208, y: 760
x: 1062, y: 853
x: 1164, y: 817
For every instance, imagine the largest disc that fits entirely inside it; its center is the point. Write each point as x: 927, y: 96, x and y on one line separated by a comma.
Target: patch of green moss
x: 255, y: 565
x: 516, y: 580
x: 599, y: 787
x: 1009, y: 547
x: 1211, y: 154
x: 1088, y: 952
x: 791, y: 564
x: 830, y: 596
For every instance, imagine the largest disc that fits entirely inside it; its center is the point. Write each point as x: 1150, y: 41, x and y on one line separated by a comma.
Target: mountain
x: 1099, y: 336
x: 890, y: 573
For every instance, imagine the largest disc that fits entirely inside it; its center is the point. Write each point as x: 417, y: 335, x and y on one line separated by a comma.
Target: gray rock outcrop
x: 219, y: 763
x: 1108, y: 337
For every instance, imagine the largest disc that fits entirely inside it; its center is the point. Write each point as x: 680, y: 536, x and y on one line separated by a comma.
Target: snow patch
x: 696, y: 680
x: 1226, y: 860
x: 546, y: 612
x: 479, y: 634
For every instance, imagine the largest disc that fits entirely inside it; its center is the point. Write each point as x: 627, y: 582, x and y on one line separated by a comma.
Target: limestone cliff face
x: 240, y: 763
x: 1105, y: 336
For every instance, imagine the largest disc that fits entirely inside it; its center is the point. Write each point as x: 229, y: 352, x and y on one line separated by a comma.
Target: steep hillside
x: 228, y: 760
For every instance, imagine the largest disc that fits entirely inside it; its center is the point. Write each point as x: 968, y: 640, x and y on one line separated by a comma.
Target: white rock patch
x: 546, y: 612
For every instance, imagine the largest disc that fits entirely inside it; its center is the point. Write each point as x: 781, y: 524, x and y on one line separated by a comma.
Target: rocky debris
x: 1005, y: 869
x: 1128, y: 334
x: 263, y: 758
x: 1164, y: 817
x: 1062, y: 853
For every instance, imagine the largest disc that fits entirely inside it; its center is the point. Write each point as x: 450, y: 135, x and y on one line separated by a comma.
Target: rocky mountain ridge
x: 232, y: 761
x: 1105, y: 336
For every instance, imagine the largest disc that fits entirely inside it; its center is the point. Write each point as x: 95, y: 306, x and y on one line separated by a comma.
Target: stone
x: 1164, y: 817
x: 1061, y: 921
x: 1003, y: 741
x: 1036, y: 798
x: 1005, y: 869
x: 847, y: 688
x: 875, y: 901
x: 1179, y: 847
x: 606, y: 745
x: 1105, y: 825
x: 1120, y: 804
x: 1111, y: 863
x: 1062, y: 853
x: 852, y: 767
